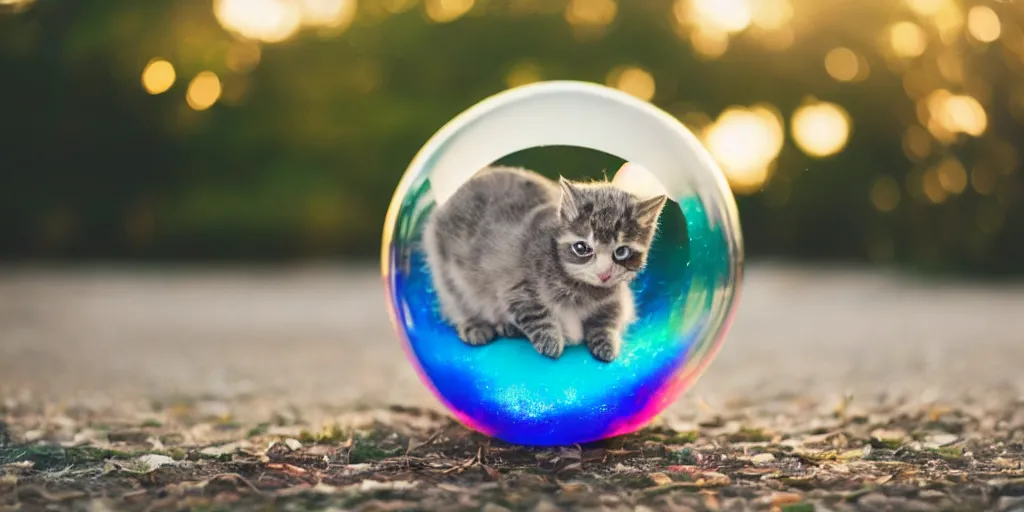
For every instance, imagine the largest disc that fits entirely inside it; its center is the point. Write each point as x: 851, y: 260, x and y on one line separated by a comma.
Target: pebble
x: 939, y: 440
x: 762, y: 458
x: 494, y: 507
x: 1010, y: 504
x: 931, y: 494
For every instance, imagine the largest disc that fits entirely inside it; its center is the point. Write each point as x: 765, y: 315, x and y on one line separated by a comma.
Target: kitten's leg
x: 601, y: 332
x: 476, y: 332
x: 470, y: 328
x: 534, y: 319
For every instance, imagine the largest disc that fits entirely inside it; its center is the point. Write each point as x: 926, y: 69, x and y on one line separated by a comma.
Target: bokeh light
x: 885, y: 193
x: 591, y: 13
x: 952, y: 113
x: 745, y: 142
x: 337, y: 14
x: 632, y: 80
x: 709, y: 43
x: 158, y: 76
x: 772, y: 14
x: 907, y: 39
x: 724, y: 15
x: 264, y: 20
x: 983, y: 24
x: 844, y: 65
x: 243, y: 56
x: 952, y: 175
x: 821, y: 129
x: 203, y: 91
x: 522, y: 73
x: 926, y: 7
x: 445, y: 11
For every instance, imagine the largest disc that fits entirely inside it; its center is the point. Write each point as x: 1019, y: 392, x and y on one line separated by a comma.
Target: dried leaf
x: 492, y: 473
x: 287, y: 468
x: 659, y: 478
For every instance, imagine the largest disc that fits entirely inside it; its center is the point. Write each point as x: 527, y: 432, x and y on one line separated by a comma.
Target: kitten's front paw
x: 550, y: 344
x: 507, y: 330
x: 476, y: 333
x: 605, y: 347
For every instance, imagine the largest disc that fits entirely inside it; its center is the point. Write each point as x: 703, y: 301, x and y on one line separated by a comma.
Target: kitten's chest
x: 571, y: 320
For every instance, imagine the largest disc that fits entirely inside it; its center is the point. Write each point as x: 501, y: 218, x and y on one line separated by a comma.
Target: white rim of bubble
x: 583, y: 114
x: 571, y: 113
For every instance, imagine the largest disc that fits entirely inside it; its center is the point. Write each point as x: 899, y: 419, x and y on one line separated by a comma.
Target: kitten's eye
x: 581, y: 249
x: 622, y: 253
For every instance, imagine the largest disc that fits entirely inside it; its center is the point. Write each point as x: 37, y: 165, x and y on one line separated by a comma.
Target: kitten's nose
x: 605, y: 276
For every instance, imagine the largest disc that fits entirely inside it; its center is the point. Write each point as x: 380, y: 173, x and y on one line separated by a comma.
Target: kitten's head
x: 606, y: 232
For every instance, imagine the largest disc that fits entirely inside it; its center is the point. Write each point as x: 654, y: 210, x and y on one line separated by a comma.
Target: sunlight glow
x: 983, y: 24
x: 949, y: 20
x: 745, y: 142
x: 956, y: 113
x: 772, y: 14
x: 821, y: 129
x: 203, y: 91
x: 634, y: 81
x: 328, y: 13
x: 158, y: 76
x: 725, y: 15
x: 926, y: 7
x: 444, y: 11
x: 907, y: 39
x: 270, y: 21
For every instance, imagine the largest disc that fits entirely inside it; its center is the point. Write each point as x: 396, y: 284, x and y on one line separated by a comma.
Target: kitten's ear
x: 569, y: 205
x: 648, y: 210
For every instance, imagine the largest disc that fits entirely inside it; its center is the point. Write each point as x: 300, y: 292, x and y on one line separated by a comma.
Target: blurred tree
x: 872, y: 130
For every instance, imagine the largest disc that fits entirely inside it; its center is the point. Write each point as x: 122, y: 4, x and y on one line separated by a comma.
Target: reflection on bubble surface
x: 507, y: 390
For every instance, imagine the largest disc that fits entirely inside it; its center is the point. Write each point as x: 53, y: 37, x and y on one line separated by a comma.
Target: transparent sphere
x: 684, y: 296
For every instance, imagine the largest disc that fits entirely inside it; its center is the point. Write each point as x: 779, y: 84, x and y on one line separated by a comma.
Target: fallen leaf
x: 851, y: 455
x: 287, y: 468
x: 784, y: 498
x: 939, y: 440
x: 714, y: 479
x: 573, y: 486
x: 494, y: 474
x: 144, y: 464
x: 395, y: 485
x: 659, y: 478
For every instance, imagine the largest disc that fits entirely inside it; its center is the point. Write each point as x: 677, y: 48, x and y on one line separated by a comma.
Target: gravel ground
x: 232, y: 389
x: 323, y: 335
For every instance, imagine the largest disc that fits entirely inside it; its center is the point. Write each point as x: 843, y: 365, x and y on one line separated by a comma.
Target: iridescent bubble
x: 685, y: 296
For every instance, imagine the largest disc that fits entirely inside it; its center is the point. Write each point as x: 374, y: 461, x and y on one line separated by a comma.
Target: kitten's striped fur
x: 501, y: 253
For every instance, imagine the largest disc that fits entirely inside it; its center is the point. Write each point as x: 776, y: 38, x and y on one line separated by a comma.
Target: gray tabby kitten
x: 512, y: 254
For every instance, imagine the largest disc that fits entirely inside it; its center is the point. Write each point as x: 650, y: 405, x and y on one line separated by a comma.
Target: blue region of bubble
x: 508, y: 389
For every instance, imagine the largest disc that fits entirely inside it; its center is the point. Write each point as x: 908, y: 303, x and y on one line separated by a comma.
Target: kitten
x: 514, y: 254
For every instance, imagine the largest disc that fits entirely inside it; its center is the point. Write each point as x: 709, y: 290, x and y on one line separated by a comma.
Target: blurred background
x: 881, y: 131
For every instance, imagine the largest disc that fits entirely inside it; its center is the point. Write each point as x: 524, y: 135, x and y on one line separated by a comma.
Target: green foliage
x: 300, y: 156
